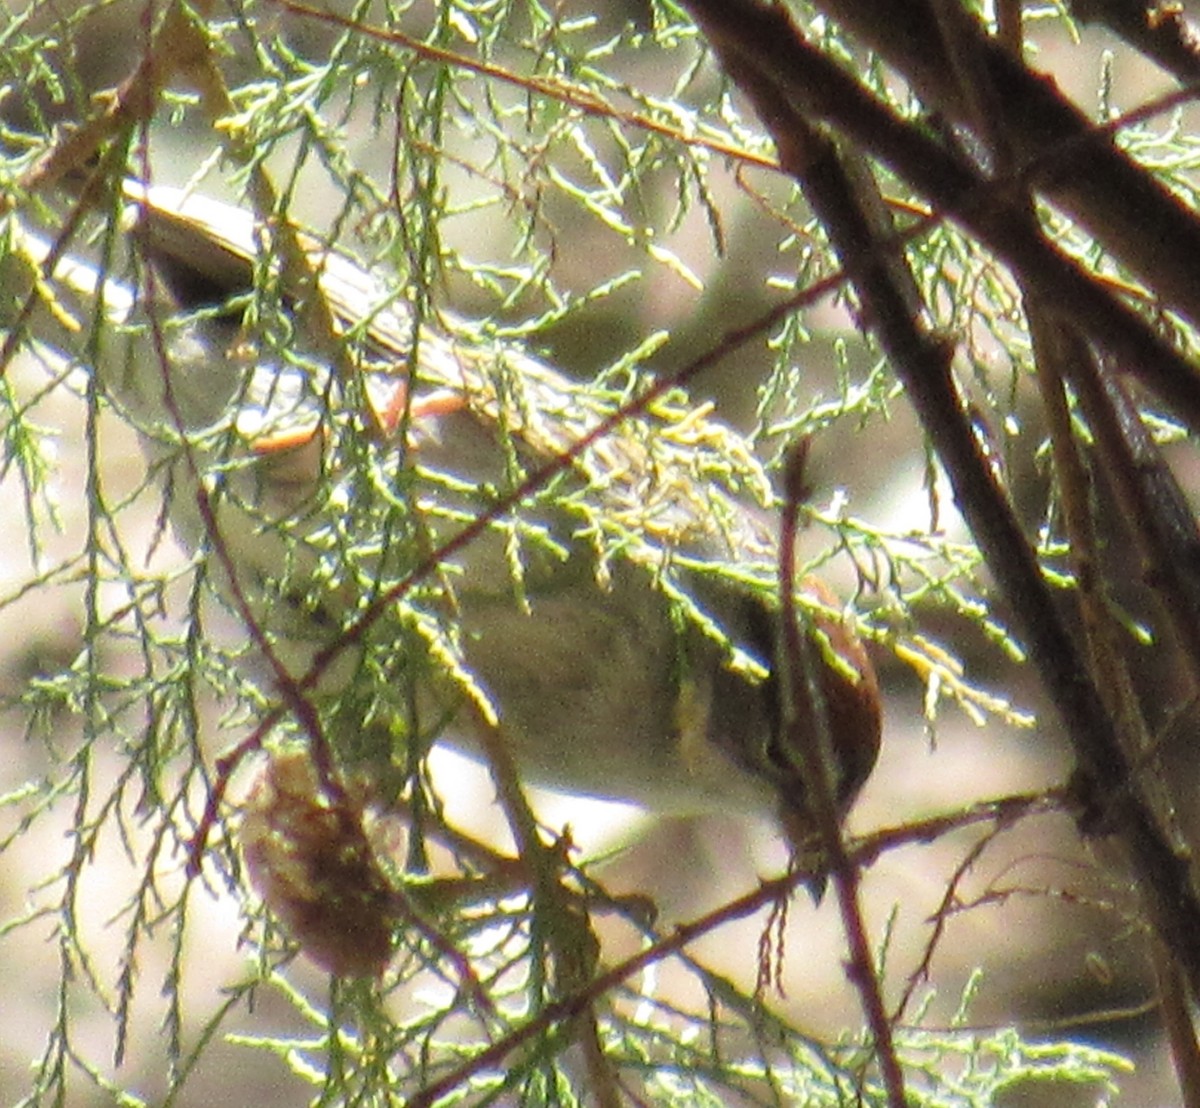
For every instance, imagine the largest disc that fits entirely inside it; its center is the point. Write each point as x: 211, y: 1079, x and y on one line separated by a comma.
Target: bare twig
x: 1081, y: 170
x: 804, y: 713
x: 766, y: 54
x: 1160, y: 31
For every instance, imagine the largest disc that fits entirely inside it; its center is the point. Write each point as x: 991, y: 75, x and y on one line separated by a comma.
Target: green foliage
x: 528, y: 180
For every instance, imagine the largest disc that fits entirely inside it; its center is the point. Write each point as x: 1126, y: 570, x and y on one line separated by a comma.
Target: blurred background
x: 1054, y: 938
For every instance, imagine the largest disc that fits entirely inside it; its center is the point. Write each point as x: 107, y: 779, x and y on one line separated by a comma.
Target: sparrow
x: 618, y: 625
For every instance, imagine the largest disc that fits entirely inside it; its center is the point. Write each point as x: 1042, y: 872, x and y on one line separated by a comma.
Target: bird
x: 618, y: 625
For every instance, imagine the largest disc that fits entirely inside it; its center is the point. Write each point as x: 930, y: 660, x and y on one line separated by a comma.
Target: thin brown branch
x: 1061, y: 353
x: 175, y: 47
x: 822, y: 91
x: 1178, y: 1022
x: 1054, y: 351
x: 1152, y: 503
x: 804, y: 714
x: 582, y: 99
x: 941, y: 919
x: 569, y: 1007
x: 1003, y: 810
x: 761, y: 47
x: 1158, y: 30
x: 1081, y: 171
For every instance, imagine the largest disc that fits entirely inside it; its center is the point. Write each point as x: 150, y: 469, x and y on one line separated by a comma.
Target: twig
x: 1160, y: 31
x: 1081, y: 170
x: 805, y: 713
x: 764, y: 50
